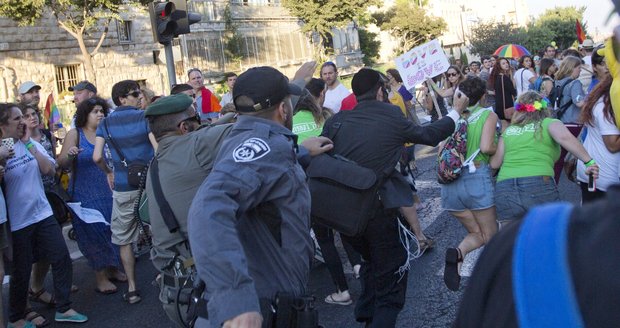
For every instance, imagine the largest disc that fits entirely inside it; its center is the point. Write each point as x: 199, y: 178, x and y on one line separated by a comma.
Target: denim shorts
x: 471, y: 191
x: 513, y: 197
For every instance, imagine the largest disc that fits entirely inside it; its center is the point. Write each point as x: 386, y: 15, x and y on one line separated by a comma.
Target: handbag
x: 135, y: 170
x: 510, y: 110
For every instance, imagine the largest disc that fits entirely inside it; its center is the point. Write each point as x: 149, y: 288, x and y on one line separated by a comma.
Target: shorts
x: 123, y: 224
x: 514, y: 197
x: 471, y: 191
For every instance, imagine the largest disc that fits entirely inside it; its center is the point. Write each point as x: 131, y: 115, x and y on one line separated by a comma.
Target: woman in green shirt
x: 470, y: 197
x: 525, y: 156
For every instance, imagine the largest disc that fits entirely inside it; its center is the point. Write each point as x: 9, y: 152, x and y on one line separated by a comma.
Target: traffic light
x: 162, y: 22
x: 184, y: 18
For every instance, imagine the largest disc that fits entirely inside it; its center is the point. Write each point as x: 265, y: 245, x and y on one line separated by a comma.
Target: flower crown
x: 530, y: 108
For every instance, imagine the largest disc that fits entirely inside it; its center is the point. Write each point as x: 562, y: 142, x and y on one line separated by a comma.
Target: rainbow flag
x: 581, y: 35
x: 51, y: 115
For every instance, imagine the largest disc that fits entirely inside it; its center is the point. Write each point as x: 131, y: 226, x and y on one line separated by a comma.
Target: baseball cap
x: 364, y: 80
x: 84, y: 85
x: 27, y: 86
x: 265, y: 85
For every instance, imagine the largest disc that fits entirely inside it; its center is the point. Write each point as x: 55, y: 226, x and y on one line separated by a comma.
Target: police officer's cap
x: 364, y: 80
x: 169, y: 105
x: 266, y: 86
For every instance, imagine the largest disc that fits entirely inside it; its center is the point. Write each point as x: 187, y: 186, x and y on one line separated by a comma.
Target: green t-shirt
x: 304, y: 125
x: 528, y: 152
x: 475, y: 124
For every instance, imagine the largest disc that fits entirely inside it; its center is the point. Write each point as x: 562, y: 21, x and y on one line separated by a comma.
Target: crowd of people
x: 228, y: 197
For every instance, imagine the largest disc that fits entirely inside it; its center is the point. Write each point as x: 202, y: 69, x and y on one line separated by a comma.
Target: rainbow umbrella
x: 511, y: 51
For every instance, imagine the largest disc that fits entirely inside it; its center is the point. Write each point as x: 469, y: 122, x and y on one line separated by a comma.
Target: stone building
x: 269, y: 35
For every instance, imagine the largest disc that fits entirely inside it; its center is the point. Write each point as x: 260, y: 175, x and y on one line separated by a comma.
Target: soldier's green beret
x: 169, y: 105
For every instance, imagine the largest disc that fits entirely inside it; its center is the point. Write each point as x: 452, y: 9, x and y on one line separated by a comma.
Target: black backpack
x: 556, y: 99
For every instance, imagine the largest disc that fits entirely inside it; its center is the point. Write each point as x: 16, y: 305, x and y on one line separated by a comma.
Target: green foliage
x: 464, y: 59
x: 559, y: 22
x: 232, y: 39
x: 74, y: 14
x: 537, y: 38
x: 321, y: 16
x: 487, y: 37
x: 408, y: 23
x: 369, y: 45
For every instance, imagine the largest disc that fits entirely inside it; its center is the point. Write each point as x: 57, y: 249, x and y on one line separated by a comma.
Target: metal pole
x: 172, y: 76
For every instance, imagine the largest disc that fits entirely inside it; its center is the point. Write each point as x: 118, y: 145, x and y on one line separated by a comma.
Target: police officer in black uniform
x: 249, y: 223
x: 373, y: 135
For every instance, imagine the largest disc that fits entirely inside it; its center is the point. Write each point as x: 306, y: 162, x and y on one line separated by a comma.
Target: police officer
x: 250, y: 220
x: 184, y: 159
x: 373, y: 135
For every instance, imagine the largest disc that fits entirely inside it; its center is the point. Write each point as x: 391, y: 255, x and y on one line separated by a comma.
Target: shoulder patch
x: 250, y: 150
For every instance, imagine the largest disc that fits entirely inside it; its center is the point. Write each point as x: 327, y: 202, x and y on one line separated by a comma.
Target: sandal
x: 132, y: 297
x: 451, y: 276
x: 36, y: 297
x: 32, y: 315
x: 330, y: 300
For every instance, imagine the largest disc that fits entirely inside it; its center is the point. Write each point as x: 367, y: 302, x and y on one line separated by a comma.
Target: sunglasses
x: 452, y: 74
x: 134, y: 94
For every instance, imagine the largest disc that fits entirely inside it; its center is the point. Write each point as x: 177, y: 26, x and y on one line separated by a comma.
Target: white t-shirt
x: 522, y: 79
x: 333, y: 98
x: 25, y: 196
x: 607, y: 162
x: 226, y: 99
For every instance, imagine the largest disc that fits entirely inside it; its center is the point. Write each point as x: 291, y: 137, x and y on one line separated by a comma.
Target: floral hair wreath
x: 530, y: 108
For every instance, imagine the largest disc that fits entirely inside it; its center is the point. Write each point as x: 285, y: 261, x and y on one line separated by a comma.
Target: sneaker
x: 76, y: 318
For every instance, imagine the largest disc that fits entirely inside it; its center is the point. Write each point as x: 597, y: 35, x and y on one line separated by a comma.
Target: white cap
x: 27, y: 86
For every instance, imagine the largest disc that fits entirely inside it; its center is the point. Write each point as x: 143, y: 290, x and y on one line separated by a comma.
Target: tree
x: 409, y: 24
x: 78, y: 17
x: 487, y: 37
x: 321, y: 16
x: 560, y: 23
x: 369, y: 45
x: 537, y: 38
x: 233, y: 41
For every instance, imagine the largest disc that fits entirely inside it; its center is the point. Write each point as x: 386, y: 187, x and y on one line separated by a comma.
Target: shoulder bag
x: 136, y: 170
x: 344, y: 194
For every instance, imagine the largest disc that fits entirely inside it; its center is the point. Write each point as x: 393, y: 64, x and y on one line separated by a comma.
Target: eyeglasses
x: 452, y: 74
x: 134, y: 94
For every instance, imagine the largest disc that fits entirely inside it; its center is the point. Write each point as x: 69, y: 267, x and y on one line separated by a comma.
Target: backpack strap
x: 563, y: 108
x: 541, y: 280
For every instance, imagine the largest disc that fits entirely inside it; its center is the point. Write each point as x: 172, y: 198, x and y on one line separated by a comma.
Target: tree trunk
x: 87, y: 59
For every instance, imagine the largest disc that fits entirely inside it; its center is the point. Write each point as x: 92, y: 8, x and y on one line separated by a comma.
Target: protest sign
x: 421, y: 63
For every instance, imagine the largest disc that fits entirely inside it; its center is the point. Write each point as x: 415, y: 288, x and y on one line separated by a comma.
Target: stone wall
x: 32, y: 52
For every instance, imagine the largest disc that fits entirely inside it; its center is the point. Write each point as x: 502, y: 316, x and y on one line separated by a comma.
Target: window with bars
x: 66, y: 76
x: 124, y: 31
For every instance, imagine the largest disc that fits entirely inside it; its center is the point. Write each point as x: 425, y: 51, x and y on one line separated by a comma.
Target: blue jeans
x: 514, y: 197
x: 45, y: 238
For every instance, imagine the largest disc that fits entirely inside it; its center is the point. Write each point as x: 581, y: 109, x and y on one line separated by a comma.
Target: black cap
x: 84, y: 85
x: 364, y: 80
x: 266, y: 86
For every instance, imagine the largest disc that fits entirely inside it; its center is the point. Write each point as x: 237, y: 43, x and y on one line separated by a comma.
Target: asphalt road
x: 429, y: 302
